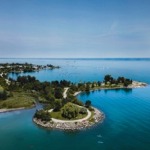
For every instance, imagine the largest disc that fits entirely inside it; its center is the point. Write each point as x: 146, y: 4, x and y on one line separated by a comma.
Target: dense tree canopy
x: 58, y: 92
x: 70, y: 111
x: 57, y: 104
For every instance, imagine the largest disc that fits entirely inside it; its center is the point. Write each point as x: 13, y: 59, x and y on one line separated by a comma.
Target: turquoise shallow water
x: 127, y: 122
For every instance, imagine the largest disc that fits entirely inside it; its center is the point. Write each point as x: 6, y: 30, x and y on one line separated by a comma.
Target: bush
x: 83, y: 111
x: 91, y: 109
x: 76, y: 101
x: 88, y: 103
x: 48, y: 107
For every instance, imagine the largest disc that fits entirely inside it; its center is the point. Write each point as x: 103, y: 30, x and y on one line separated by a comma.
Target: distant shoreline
x: 134, y: 85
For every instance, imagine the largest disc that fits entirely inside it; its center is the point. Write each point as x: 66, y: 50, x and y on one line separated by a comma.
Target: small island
x: 61, y: 108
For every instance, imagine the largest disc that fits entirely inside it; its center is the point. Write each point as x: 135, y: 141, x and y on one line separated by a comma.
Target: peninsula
x: 62, y: 109
x: 72, y: 114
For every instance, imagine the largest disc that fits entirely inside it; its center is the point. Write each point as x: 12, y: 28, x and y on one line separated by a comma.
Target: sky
x: 74, y: 28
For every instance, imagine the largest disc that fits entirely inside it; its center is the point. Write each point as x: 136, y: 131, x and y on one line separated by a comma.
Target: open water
x: 127, y: 112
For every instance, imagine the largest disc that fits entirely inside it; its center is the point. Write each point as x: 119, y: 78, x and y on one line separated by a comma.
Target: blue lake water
x: 127, y: 122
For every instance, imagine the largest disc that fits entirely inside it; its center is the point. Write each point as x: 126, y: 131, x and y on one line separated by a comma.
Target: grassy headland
x: 18, y: 99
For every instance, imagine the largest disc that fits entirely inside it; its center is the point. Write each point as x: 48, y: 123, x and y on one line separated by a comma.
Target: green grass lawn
x: 19, y: 99
x: 57, y: 115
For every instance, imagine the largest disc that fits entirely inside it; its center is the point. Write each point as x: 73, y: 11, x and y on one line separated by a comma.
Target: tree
x: 93, y: 85
x: 73, y: 87
x: 99, y: 83
x: 31, y: 79
x: 83, y: 111
x: 43, y: 115
x: 55, y: 83
x: 50, y: 97
x: 87, y: 89
x: 127, y: 82
x: 120, y: 79
x: 57, y: 104
x: 88, y: 103
x: 58, y: 92
x: 64, y: 83
x: 70, y: 111
x: 107, y: 78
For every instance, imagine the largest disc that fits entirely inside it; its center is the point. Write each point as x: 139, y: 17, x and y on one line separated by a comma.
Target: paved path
x: 73, y: 121
x: 65, y: 92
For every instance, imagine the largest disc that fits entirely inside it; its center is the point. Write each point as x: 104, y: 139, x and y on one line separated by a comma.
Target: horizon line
x: 75, y: 58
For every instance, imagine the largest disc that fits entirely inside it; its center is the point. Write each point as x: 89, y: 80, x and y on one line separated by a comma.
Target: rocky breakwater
x: 96, y: 117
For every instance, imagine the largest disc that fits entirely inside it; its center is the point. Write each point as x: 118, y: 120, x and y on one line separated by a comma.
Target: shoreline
x: 135, y: 84
x: 5, y: 110
x: 72, y: 125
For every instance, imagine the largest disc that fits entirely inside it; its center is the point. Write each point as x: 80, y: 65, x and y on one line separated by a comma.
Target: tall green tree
x: 58, y: 92
x: 70, y: 111
x: 57, y: 104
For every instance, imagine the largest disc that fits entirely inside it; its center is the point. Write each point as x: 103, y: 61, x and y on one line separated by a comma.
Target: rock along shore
x: 74, y: 125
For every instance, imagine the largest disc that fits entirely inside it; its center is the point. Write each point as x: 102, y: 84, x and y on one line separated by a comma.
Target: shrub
x: 76, y: 101
x: 88, y: 103
x: 91, y: 109
x: 83, y: 111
